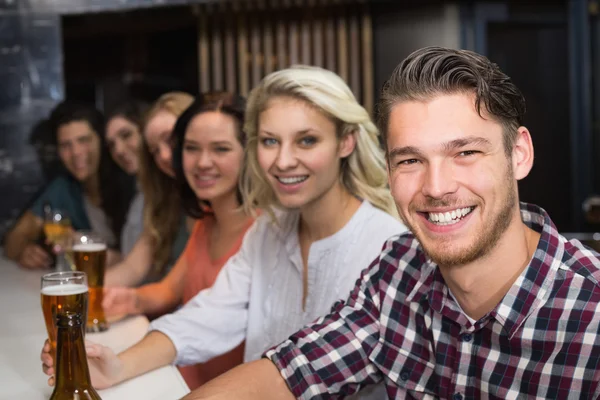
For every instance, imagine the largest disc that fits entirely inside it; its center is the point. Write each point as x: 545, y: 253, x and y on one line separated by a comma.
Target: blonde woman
x: 315, y: 169
x: 165, y: 227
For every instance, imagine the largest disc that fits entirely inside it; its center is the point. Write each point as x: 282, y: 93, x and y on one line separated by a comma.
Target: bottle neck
x: 72, y: 369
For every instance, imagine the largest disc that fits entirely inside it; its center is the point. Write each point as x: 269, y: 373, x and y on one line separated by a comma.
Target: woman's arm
x: 20, y: 246
x: 134, y: 268
x: 162, y: 297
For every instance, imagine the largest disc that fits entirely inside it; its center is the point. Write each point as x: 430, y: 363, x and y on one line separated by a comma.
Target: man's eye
x: 407, y: 162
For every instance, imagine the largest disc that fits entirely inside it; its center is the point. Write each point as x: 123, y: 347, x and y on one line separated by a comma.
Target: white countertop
x: 22, y: 334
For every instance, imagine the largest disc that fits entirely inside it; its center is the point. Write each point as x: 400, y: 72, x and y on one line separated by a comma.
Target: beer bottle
x: 72, y: 373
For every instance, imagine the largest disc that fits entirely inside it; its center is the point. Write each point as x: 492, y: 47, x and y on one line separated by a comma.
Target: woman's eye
x: 268, y: 142
x: 308, y: 140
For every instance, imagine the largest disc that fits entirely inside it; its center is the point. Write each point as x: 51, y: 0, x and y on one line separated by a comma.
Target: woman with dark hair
x: 93, y: 190
x: 123, y: 135
x: 207, y: 159
x: 165, y: 226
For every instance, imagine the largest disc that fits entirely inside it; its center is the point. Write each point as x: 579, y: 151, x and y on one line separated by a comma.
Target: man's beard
x: 486, y: 239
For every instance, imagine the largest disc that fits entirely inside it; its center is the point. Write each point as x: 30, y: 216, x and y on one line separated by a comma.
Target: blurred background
x: 102, y: 51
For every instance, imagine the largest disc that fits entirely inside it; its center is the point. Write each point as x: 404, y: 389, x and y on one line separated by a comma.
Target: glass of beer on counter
x: 87, y: 252
x: 61, y: 292
x: 57, y: 228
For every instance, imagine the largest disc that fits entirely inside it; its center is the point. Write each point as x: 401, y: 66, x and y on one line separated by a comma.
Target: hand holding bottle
x: 105, y: 368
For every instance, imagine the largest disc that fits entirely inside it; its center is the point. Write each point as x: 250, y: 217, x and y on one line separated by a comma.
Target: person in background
x: 165, y: 226
x: 484, y: 299
x: 123, y: 136
x: 207, y: 158
x: 315, y: 169
x: 93, y: 191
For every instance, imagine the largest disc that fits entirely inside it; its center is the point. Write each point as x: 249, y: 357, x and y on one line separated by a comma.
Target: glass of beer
x: 57, y: 228
x: 87, y: 252
x: 60, y: 292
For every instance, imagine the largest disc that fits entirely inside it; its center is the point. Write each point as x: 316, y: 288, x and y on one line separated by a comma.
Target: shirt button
x: 404, y: 375
x: 466, y: 337
x: 457, y: 396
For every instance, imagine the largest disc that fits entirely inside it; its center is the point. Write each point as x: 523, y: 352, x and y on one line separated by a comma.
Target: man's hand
x: 34, y: 256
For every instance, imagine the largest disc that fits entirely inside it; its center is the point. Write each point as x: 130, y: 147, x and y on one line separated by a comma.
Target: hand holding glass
x: 57, y: 228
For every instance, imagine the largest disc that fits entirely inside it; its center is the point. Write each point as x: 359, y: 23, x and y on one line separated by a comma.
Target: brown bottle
x: 72, y: 373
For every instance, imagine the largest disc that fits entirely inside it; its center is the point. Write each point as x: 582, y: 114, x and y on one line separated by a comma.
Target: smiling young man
x: 484, y: 299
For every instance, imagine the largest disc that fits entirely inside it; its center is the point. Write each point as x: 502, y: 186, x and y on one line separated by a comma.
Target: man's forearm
x: 257, y: 380
x: 155, y: 350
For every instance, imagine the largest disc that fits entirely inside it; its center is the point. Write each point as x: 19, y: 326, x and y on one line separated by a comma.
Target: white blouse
x: 257, y: 296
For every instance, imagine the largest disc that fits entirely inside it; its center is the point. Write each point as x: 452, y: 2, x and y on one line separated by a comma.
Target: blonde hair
x: 162, y: 203
x: 363, y: 173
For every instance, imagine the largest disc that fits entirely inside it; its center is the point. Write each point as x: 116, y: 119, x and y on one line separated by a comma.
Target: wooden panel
x: 230, y: 59
x: 216, y: 51
x: 293, y: 42
x: 317, y: 42
x: 281, y: 45
x: 255, y: 51
x: 342, y: 46
x: 268, y: 46
x: 274, y: 34
x: 242, y: 55
x: 354, y: 55
x: 330, y: 42
x: 305, y: 24
x: 204, y: 79
x: 367, y: 57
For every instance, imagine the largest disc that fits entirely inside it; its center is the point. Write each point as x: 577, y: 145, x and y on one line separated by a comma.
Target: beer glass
x: 57, y: 228
x: 61, y: 292
x: 87, y: 252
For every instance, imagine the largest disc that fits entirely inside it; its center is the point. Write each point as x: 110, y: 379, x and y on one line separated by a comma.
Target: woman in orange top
x: 207, y: 158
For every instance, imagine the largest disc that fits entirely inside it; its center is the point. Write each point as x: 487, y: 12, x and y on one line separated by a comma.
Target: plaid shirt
x: 401, y: 325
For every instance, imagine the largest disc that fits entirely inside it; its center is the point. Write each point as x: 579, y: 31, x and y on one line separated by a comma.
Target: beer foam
x: 89, y: 247
x: 64, y: 290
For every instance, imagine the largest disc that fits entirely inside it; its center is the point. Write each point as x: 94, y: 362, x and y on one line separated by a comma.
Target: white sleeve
x: 215, y: 320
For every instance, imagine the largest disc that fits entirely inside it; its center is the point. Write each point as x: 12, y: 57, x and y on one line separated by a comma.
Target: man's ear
x: 522, y: 154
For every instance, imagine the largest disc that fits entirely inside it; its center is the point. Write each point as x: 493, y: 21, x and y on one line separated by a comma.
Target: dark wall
x: 534, y: 56
x: 31, y: 82
x: 399, y: 28
x: 52, y: 49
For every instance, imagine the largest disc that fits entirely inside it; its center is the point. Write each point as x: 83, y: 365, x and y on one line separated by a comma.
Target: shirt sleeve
x: 51, y: 195
x: 331, y: 356
x: 215, y: 320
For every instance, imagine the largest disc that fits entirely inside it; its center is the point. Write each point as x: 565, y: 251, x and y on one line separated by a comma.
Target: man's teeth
x: 449, y: 217
x: 292, y: 180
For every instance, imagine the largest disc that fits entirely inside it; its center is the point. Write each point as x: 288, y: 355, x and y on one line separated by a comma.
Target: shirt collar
x: 529, y: 291
x: 532, y: 288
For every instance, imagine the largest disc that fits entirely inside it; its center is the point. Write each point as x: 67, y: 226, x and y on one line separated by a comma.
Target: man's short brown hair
x: 433, y: 71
